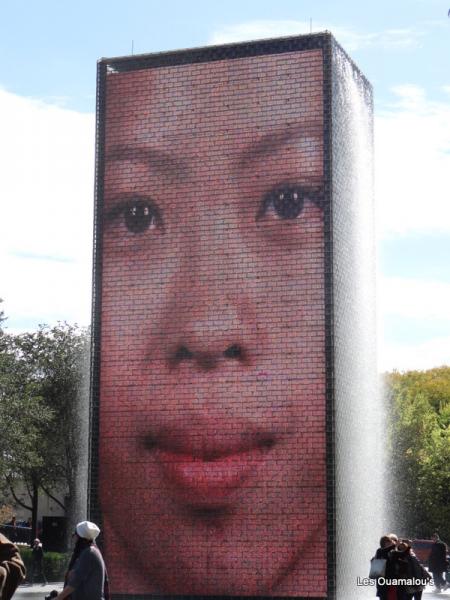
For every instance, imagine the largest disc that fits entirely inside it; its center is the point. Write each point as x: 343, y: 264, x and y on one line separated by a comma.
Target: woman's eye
x: 286, y: 202
x: 139, y: 215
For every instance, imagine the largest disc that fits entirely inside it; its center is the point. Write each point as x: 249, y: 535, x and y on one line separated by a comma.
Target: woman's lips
x: 203, y: 481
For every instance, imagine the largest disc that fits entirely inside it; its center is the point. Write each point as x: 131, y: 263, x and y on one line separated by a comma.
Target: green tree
x: 24, y: 416
x: 44, y: 377
x: 435, y: 383
x: 2, y: 332
x: 419, y: 406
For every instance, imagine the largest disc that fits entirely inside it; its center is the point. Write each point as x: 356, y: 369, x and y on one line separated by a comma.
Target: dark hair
x: 403, y: 546
x: 385, y: 540
x: 81, y: 544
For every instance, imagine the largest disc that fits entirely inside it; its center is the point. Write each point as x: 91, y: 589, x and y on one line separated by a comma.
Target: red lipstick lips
x: 210, y: 476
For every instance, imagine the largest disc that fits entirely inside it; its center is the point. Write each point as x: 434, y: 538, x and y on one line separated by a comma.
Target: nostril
x: 182, y: 353
x: 233, y: 351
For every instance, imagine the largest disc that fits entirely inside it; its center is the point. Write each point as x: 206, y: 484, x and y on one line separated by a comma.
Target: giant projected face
x: 212, y: 398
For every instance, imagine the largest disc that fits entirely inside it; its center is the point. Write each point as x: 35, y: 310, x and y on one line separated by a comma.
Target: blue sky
x: 48, y: 54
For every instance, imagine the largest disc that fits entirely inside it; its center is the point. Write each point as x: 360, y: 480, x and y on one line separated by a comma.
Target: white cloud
x: 259, y: 29
x: 389, y: 39
x: 350, y: 39
x: 45, y: 291
x: 47, y: 158
x: 407, y: 357
x: 412, y: 164
x: 419, y: 301
x: 414, y: 298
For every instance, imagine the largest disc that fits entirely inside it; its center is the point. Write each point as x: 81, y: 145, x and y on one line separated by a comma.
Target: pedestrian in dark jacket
x: 387, y: 544
x: 407, y: 567
x: 12, y: 569
x: 437, y: 561
x: 37, y: 562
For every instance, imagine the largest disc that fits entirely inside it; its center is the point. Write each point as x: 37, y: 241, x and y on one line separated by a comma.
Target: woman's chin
x: 249, y: 569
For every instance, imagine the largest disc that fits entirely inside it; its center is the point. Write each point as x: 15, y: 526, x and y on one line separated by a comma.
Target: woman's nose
x: 214, y: 316
x: 214, y: 326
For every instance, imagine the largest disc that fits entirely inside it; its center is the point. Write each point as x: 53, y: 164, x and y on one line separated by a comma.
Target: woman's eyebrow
x: 273, y: 141
x: 160, y: 161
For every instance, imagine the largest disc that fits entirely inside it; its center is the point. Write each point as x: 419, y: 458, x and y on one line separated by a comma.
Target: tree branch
x: 17, y: 500
x: 28, y: 490
x: 53, y: 498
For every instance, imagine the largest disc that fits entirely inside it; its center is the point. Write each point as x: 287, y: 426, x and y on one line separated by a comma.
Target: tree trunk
x: 34, y: 510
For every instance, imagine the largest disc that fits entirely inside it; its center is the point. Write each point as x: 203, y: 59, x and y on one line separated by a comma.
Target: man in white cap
x: 86, y: 574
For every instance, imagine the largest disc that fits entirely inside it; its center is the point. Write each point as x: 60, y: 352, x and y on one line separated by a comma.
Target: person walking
x: 437, y: 562
x: 86, y: 576
x: 387, y: 545
x: 37, y: 562
x: 409, y: 568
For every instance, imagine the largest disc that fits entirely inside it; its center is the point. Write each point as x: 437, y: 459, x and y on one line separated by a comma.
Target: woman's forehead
x: 261, y: 92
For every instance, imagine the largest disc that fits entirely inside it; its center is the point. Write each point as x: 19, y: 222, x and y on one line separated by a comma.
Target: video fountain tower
x: 236, y: 430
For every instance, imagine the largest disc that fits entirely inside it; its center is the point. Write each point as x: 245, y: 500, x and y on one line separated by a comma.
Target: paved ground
x: 429, y: 594
x: 37, y: 591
